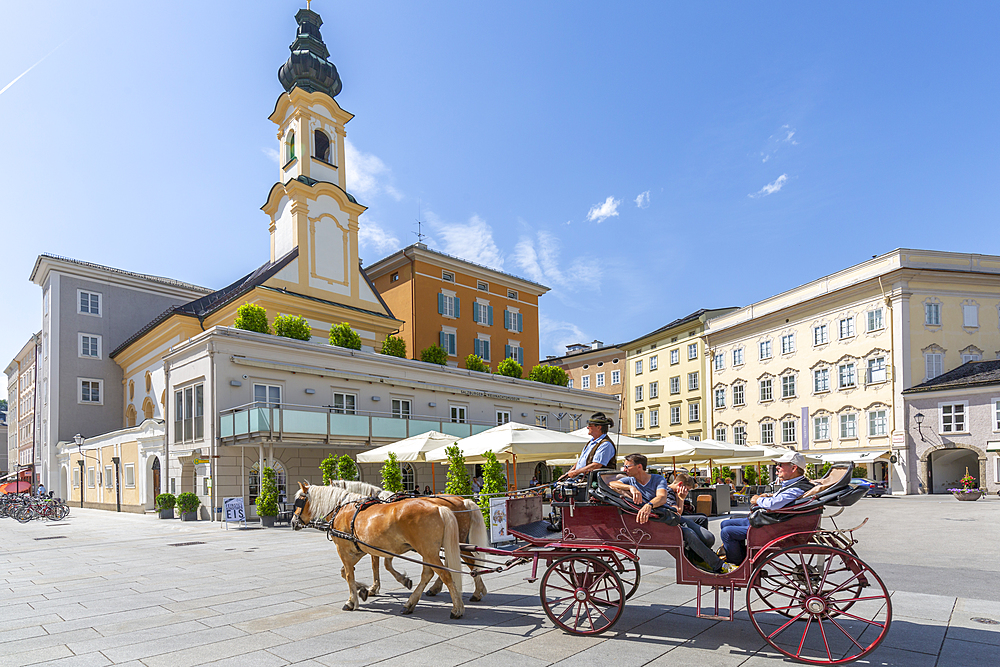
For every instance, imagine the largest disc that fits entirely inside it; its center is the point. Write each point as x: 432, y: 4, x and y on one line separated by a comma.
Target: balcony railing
x: 255, y: 422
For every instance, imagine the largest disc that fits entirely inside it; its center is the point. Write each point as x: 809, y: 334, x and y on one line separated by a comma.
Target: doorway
x: 946, y: 467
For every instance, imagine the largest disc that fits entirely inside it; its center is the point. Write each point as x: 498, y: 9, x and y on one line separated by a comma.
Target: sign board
x: 498, y: 521
x: 993, y: 445
x: 198, y: 462
x: 233, y: 509
x: 898, y: 438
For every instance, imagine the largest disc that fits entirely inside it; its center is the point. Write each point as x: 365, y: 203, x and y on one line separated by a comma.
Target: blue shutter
x: 475, y: 311
x: 485, y: 347
x: 506, y: 351
x: 489, y: 315
x: 520, y: 322
x: 475, y: 348
x: 442, y: 342
x: 520, y: 355
x: 440, y: 304
x: 458, y: 309
x: 506, y: 319
x: 452, y: 344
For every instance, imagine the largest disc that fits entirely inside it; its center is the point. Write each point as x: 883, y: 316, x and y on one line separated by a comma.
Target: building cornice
x: 46, y: 264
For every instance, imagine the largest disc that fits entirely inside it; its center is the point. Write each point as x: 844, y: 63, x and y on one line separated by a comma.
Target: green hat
x: 600, y: 419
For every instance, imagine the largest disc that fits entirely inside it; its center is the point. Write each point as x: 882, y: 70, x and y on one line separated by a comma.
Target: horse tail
x: 452, y: 553
x: 478, y: 534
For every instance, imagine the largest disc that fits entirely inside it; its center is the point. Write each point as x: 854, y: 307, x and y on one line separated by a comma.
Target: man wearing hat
x: 791, y: 472
x: 600, y: 451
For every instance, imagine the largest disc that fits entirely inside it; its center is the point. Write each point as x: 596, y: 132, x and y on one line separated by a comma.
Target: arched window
x: 149, y: 382
x: 253, y: 481
x: 321, y: 146
x: 290, y: 147
x: 131, y: 390
x: 408, y: 477
x: 130, y: 415
x: 542, y: 472
x: 147, y: 408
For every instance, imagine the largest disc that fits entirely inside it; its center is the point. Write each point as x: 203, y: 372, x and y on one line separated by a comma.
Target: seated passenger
x: 791, y: 472
x: 653, y: 490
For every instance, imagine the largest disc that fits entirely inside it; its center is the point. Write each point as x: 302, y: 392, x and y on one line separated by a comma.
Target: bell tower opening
x: 321, y: 146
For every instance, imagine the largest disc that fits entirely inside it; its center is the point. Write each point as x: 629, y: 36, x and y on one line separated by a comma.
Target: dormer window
x: 321, y: 146
x: 290, y: 147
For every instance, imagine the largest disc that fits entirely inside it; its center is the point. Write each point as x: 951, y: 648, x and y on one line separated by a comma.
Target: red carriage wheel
x: 839, y: 612
x: 583, y: 595
x: 627, y: 570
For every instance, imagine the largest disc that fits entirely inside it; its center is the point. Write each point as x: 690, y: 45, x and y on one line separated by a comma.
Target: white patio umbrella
x: 623, y: 443
x: 413, y: 448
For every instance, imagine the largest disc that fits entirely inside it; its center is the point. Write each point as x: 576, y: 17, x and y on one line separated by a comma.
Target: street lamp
x: 919, y: 418
x: 79, y: 439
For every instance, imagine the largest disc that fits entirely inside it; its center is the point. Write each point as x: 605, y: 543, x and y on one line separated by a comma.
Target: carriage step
x: 717, y: 616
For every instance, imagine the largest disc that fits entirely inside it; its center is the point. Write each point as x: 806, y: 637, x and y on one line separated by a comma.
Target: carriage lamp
x: 919, y: 418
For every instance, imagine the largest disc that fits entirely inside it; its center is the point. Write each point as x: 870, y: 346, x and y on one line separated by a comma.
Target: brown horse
x: 410, y: 524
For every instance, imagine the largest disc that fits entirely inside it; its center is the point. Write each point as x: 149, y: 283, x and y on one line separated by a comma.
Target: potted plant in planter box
x: 267, y: 501
x: 969, y: 490
x: 188, y: 504
x: 165, y: 504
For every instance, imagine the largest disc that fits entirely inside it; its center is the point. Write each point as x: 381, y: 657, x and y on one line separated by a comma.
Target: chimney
x: 597, y: 344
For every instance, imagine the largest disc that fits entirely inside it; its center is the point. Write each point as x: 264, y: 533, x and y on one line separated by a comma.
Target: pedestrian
x: 41, y: 490
x: 427, y: 490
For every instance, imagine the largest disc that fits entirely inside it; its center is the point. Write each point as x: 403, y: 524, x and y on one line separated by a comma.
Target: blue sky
x: 643, y: 159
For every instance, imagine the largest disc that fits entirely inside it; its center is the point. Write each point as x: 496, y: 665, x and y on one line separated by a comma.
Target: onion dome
x: 308, y: 67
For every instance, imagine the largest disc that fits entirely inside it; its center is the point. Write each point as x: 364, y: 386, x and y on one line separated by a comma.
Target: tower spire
x: 308, y: 66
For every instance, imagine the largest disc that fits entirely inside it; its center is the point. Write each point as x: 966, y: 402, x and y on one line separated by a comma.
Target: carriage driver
x: 600, y: 451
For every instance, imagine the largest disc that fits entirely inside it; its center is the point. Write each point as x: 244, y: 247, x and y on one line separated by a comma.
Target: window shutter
x: 475, y: 311
x: 520, y: 354
x: 442, y: 341
x: 506, y: 351
x: 506, y: 319
x: 458, y: 310
x: 489, y: 315
x: 440, y: 304
x: 475, y: 348
x: 971, y: 316
x: 485, y: 347
x: 520, y: 322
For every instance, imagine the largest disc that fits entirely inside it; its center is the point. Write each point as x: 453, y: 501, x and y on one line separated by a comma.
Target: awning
x: 854, y: 457
x: 15, y: 487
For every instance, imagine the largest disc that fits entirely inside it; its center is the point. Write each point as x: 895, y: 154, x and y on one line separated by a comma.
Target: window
x: 932, y: 314
x: 675, y: 414
x: 846, y: 327
x: 875, y: 321
x: 876, y: 370
x: 970, y: 315
x: 638, y: 367
x: 639, y: 420
x: 847, y: 376
x: 767, y: 433
x: 788, y: 343
x: 971, y: 357
x: 952, y: 417
x: 448, y: 340
x: 766, y: 390
x: 654, y: 389
x: 89, y: 346
x: 616, y: 377
x: 448, y: 276
x: 541, y: 420
x: 449, y: 305
x: 206, y: 485
x: 76, y: 478
x: 675, y: 384
x: 108, y: 477
x: 654, y: 418
x: 91, y: 391
x: 394, y: 277
x: 173, y: 486
x: 401, y: 408
x: 570, y: 385
x: 788, y: 386
x: 481, y: 348
x: 653, y: 362
x: 189, y: 410
x: 290, y: 147
x: 409, y: 478
x: 718, y: 362
x: 720, y: 433
x: 459, y: 414
x: 345, y: 404
x: 821, y: 334
x: 90, y: 303
x: 765, y: 349
x: 503, y: 417
x: 740, y: 434
x: 933, y: 365
x: 693, y: 351
x: 720, y: 398
x: 821, y: 380
x: 738, y: 357
x: 675, y: 357
x: 266, y: 395
x: 321, y: 146
x: 739, y: 395
x: 585, y: 382
x: 600, y: 379
x: 693, y: 381
x: 788, y: 431
x: 482, y: 287
x: 848, y: 426
x: 694, y: 412
x: 996, y: 414
x: 877, y: 422
x: 511, y: 294
x: 638, y: 393
x: 821, y: 428
x: 91, y: 478
x: 482, y: 313
x: 513, y: 321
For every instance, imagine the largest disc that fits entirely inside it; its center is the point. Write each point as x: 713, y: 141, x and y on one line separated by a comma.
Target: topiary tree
x: 510, y: 368
x: 165, y: 501
x: 342, y: 335
x: 434, y: 354
x: 346, y: 469
x: 251, y: 317
x: 549, y: 375
x: 493, y: 482
x: 392, y: 478
x: 292, y: 326
x: 267, y: 501
x: 394, y: 346
x: 328, y: 467
x: 458, y: 477
x: 474, y: 363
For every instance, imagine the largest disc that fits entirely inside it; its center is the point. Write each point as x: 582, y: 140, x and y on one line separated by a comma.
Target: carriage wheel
x: 824, y: 618
x: 583, y: 595
x: 627, y: 570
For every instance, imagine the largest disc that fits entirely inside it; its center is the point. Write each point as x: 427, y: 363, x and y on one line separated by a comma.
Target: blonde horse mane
x: 325, y: 499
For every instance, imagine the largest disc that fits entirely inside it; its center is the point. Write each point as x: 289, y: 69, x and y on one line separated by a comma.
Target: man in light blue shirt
x: 599, y: 452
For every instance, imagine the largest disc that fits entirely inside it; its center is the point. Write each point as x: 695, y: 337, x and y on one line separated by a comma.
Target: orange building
x: 461, y: 306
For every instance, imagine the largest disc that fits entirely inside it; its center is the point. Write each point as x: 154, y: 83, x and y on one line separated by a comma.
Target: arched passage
x: 542, y: 472
x: 153, y: 482
x: 945, y: 467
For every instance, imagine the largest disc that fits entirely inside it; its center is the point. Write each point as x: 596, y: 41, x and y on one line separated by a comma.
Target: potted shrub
x: 188, y: 505
x: 165, y: 504
x: 969, y: 490
x: 267, y: 501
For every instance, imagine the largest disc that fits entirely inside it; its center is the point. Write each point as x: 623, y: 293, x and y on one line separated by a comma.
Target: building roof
x: 307, y: 67
x: 693, y: 317
x: 969, y: 374
x: 580, y: 354
x: 131, y: 274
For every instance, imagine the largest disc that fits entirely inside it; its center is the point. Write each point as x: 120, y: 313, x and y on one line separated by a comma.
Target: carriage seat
x: 599, y: 490
x: 834, y: 489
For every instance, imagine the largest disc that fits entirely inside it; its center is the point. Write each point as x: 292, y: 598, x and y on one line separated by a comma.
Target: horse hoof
x: 409, y: 584
x: 475, y: 598
x: 363, y: 594
x: 348, y: 607
x: 454, y: 615
x: 430, y: 594
x: 406, y: 611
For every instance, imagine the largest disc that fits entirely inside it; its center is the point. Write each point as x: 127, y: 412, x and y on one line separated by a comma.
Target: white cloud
x: 272, y: 155
x: 784, y: 135
x: 556, y: 335
x: 770, y: 188
x: 538, y: 258
x: 371, y: 235
x: 472, y: 240
x: 601, y: 212
x: 642, y: 201
x: 367, y: 175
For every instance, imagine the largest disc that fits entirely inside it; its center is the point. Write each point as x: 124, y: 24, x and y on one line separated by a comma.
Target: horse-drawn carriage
x: 808, y: 593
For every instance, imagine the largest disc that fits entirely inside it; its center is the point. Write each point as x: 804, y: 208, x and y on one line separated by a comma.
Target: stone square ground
x: 101, y: 588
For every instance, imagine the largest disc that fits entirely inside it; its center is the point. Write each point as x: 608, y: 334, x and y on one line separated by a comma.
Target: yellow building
x: 666, y: 372
x: 822, y: 366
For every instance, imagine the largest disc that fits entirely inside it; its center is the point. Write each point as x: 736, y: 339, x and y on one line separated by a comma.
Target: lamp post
x: 118, y: 489
x: 78, y: 439
x: 919, y: 418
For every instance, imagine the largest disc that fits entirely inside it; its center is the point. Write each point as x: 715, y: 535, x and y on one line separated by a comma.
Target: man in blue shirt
x: 791, y: 472
x: 599, y: 452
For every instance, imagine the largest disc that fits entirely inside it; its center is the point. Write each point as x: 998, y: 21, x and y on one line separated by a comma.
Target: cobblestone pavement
x: 103, y: 588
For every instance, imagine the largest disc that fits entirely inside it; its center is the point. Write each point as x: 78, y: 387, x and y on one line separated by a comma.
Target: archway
x: 153, y: 482
x: 65, y: 490
x: 542, y: 472
x: 945, y: 467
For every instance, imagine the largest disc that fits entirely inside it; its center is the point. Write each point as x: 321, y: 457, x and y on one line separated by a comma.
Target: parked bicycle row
x: 24, y: 508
